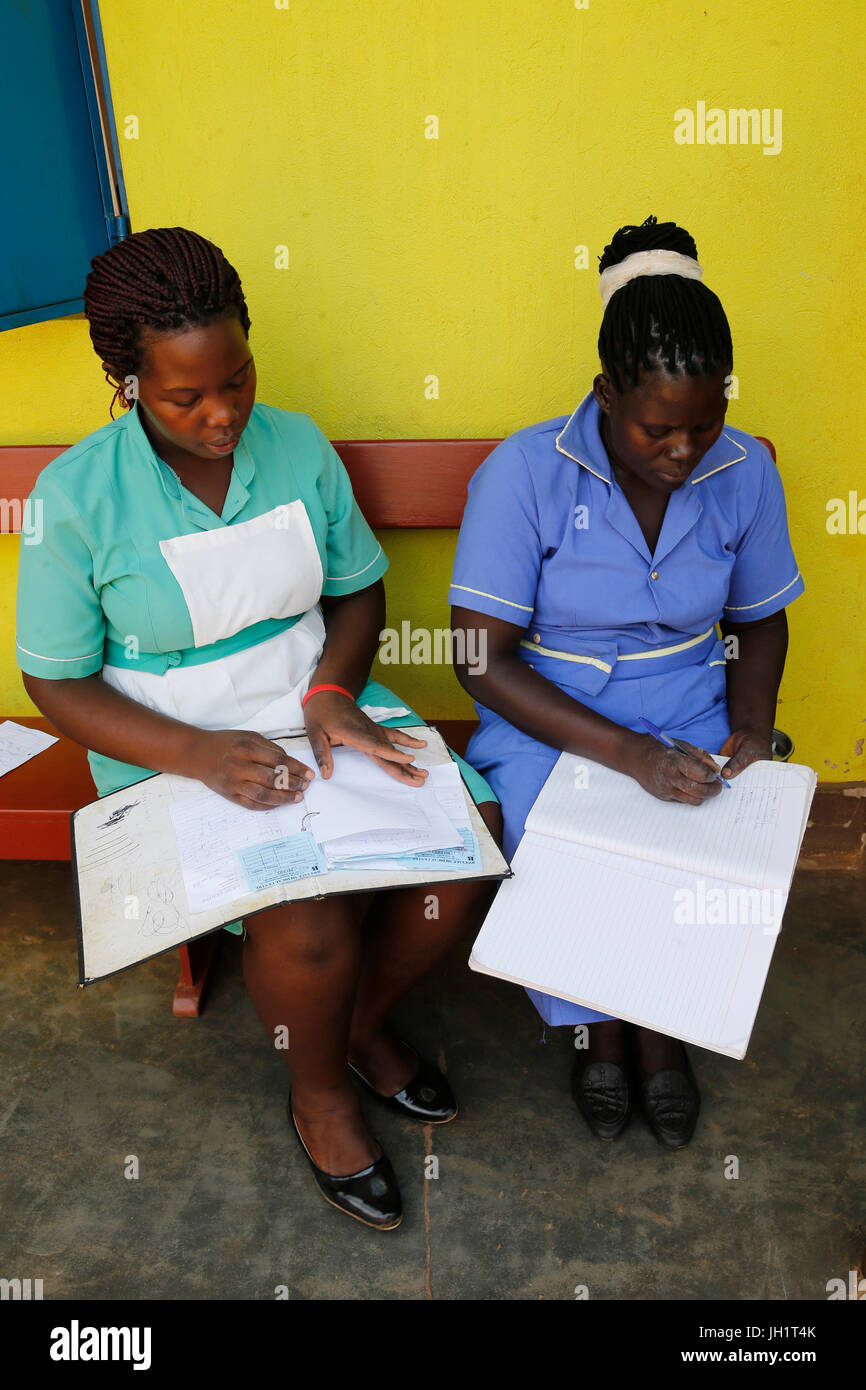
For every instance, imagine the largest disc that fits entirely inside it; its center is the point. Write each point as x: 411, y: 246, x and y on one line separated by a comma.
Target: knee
x: 301, y: 935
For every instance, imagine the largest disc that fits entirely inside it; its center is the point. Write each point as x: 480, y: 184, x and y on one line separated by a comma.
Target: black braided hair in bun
x: 660, y: 322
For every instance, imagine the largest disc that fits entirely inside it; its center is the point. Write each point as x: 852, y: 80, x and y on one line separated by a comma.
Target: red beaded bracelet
x: 314, y: 690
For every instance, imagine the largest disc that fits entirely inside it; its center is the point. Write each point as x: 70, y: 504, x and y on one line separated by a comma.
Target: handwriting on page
x: 756, y: 808
x: 750, y: 837
x: 161, y: 915
x: 111, y: 844
x: 211, y: 832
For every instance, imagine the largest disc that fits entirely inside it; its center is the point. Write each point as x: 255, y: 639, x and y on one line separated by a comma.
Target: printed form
x: 359, y: 817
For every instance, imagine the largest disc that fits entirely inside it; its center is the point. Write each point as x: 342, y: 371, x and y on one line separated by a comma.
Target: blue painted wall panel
x: 53, y: 176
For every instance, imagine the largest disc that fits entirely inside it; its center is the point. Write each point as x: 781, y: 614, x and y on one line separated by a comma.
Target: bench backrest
x: 399, y: 483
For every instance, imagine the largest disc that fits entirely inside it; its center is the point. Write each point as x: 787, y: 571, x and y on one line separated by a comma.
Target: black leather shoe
x: 427, y: 1097
x: 670, y: 1100
x: 371, y: 1195
x: 602, y: 1094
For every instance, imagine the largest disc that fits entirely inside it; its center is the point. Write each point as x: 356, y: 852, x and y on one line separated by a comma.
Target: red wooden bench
x: 399, y: 483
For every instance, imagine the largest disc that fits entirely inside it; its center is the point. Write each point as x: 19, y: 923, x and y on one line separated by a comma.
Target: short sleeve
x: 60, y: 625
x: 355, y: 559
x: 499, y: 553
x: 765, y: 577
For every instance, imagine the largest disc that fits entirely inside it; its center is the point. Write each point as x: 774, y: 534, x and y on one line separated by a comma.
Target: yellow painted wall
x: 305, y: 125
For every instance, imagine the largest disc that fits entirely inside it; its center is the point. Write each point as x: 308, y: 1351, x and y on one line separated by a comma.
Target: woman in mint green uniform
x: 206, y: 584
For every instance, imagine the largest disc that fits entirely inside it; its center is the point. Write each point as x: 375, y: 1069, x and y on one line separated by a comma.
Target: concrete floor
x: 527, y: 1203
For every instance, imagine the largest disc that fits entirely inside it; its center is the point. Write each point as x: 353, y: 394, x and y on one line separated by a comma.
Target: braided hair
x: 660, y: 321
x: 164, y: 279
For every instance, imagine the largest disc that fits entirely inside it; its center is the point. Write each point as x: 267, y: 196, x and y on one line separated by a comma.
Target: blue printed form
x: 281, y: 861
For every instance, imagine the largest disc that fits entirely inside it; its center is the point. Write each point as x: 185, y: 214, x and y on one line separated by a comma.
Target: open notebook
x: 652, y: 911
x: 165, y: 860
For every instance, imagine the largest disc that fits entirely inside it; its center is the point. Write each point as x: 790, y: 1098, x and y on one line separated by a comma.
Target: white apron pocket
x: 234, y: 576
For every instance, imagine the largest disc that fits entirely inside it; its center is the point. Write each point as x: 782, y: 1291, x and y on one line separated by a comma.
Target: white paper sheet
x: 378, y: 713
x: 19, y: 743
x: 750, y: 833
x: 383, y: 817
x: 368, y: 812
x: 210, y: 831
x: 450, y: 793
x: 603, y: 931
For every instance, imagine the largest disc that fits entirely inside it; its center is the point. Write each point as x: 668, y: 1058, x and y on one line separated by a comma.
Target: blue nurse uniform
x: 550, y: 543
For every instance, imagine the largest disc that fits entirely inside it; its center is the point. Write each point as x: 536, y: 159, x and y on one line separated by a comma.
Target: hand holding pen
x: 691, y: 777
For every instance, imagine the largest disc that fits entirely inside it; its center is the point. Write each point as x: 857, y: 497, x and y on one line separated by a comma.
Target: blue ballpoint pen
x: 680, y: 747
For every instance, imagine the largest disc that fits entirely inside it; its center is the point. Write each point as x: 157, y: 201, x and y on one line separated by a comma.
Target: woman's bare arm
x: 539, y: 708
x: 754, y: 673
x: 240, y: 765
x: 92, y: 712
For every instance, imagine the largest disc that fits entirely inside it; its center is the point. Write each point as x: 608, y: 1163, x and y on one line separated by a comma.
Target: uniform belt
x: 673, y: 655
x: 157, y: 663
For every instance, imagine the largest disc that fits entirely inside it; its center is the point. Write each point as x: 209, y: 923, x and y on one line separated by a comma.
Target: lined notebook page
x: 750, y: 834
x: 601, y: 930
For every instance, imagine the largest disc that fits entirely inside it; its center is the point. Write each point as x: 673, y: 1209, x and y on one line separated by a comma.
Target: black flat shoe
x: 671, y: 1101
x: 602, y: 1094
x: 427, y: 1097
x: 371, y: 1195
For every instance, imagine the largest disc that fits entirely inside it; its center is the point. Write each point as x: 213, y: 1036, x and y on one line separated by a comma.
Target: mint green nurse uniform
x: 213, y: 620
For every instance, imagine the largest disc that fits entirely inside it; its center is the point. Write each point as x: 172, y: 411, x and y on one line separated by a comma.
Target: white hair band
x: 646, y: 263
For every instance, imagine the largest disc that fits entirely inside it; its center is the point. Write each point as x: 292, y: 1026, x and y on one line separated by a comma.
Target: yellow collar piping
x: 692, y: 481
x: 572, y: 456
x: 739, y: 459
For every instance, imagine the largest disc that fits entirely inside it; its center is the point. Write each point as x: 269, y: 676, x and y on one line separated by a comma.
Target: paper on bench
x: 19, y: 743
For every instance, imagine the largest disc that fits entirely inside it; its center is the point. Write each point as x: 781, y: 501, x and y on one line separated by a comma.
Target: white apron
x: 231, y: 578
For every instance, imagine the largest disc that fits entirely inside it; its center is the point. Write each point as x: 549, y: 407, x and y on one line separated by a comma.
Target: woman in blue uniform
x: 598, y: 554
x: 206, y: 584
